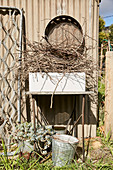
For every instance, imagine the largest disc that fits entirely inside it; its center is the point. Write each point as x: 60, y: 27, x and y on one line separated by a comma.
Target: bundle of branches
x: 58, y: 57
x: 46, y: 57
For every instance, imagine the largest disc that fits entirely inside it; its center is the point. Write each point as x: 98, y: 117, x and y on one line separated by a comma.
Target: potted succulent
x: 26, y: 137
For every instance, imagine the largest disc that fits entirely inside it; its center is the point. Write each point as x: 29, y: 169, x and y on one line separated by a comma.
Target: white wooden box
x: 43, y: 83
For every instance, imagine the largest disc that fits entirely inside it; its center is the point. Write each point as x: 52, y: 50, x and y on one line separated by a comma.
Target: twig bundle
x: 62, y: 57
x: 45, y: 57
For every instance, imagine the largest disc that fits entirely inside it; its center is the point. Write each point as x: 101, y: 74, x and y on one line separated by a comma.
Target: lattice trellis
x: 10, y: 46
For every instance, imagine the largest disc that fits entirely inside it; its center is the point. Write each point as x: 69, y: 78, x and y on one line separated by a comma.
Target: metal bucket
x: 63, y: 149
x: 59, y: 129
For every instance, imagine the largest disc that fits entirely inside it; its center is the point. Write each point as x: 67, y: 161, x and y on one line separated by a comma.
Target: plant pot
x: 25, y: 146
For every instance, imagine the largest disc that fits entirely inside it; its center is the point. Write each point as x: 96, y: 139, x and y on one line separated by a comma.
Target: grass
x: 103, y: 159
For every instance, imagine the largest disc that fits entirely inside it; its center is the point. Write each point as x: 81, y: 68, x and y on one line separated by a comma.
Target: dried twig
x: 63, y: 58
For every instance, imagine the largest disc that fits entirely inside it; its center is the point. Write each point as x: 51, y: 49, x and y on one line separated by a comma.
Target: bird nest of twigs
x: 45, y: 57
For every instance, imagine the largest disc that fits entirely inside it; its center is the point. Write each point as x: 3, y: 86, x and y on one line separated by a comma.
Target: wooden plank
x: 56, y: 82
x: 67, y: 93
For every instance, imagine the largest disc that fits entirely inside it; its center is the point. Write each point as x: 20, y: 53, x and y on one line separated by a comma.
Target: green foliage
x: 25, y: 136
x: 101, y: 99
x: 99, y: 133
x: 101, y: 24
x: 21, y: 163
x: 108, y: 136
x: 108, y: 142
x: 102, y: 36
x: 111, y: 33
x: 101, y: 89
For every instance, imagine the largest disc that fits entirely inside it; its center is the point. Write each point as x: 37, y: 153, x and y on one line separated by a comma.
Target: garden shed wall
x: 37, y: 14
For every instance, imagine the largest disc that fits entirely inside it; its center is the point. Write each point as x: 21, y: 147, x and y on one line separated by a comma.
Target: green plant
x: 26, y: 136
x: 19, y: 162
x: 101, y: 99
x: 99, y: 133
x: 35, y: 160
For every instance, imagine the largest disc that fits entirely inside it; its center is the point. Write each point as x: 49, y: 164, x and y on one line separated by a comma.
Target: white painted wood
x: 70, y: 82
x: 60, y: 93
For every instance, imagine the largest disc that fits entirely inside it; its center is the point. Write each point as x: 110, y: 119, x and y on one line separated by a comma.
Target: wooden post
x: 108, y: 45
x: 109, y: 94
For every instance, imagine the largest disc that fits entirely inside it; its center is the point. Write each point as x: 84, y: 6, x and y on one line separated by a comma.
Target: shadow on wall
x: 63, y: 106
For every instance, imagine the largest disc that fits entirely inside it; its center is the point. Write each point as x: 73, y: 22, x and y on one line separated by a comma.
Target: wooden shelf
x: 60, y: 93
